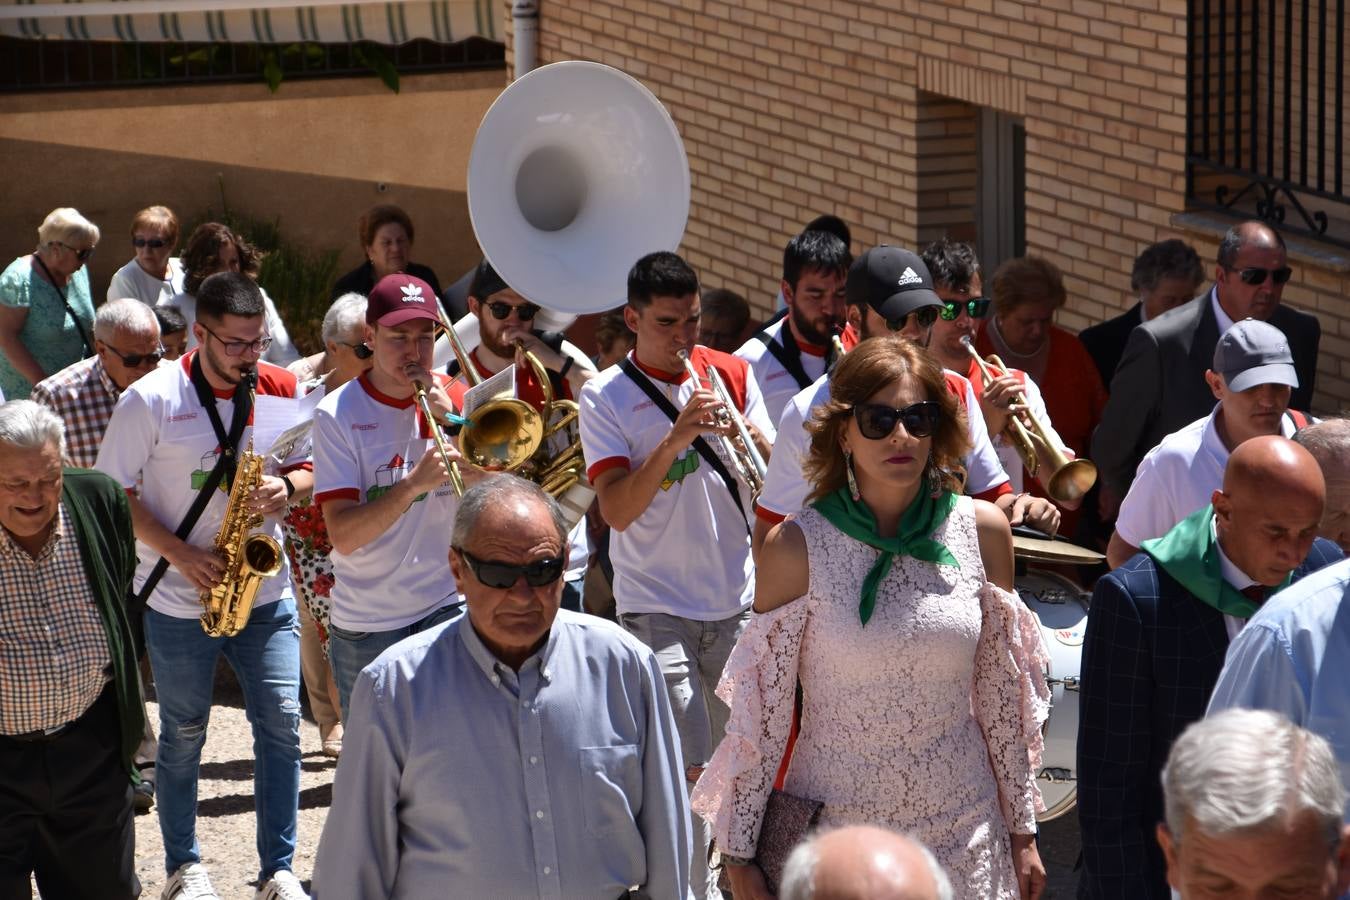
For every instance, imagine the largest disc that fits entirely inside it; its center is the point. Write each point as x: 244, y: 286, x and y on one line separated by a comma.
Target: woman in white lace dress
x: 889, y: 599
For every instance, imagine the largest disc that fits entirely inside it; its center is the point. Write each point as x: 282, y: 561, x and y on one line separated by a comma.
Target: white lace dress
x: 926, y: 720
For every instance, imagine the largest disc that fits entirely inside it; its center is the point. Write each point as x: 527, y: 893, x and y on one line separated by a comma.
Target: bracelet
x: 728, y: 860
x: 290, y: 486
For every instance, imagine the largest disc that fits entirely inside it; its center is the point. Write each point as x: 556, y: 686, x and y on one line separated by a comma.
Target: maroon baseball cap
x: 399, y: 298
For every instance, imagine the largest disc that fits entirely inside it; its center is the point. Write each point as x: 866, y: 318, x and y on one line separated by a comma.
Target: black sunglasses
x: 361, y: 350
x: 976, y: 308
x: 501, y: 310
x: 924, y: 315
x: 877, y: 421
x: 152, y: 243
x: 504, y: 575
x: 1254, y: 275
x: 81, y: 255
x: 132, y: 360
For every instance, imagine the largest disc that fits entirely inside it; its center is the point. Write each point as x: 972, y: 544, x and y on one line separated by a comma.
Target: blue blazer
x: 1151, y: 657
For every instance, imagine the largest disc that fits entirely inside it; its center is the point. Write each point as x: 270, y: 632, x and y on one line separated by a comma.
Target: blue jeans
x: 351, y: 651
x: 265, y: 657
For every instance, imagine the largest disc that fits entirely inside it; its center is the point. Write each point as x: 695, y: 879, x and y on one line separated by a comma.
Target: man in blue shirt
x: 516, y: 751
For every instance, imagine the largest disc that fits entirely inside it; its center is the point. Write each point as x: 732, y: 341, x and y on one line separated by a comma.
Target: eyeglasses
x: 360, y: 349
x: 132, y: 360
x: 976, y: 309
x: 877, y: 421
x: 152, y: 243
x: 501, y: 310
x: 81, y: 255
x: 237, y: 348
x: 924, y: 315
x: 504, y: 575
x: 1254, y: 276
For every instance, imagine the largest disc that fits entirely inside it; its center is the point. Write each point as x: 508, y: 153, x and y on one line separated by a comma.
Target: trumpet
x: 744, y: 455
x: 1069, y: 478
x: 451, y: 466
x: 837, y: 344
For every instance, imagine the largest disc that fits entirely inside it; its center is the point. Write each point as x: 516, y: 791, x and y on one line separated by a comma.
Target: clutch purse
x: 787, y: 819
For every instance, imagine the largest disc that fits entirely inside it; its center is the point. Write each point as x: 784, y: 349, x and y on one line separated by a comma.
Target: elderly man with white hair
x: 1253, y: 806
x: 83, y: 394
x: 1329, y: 443
x: 70, y: 717
x: 863, y: 862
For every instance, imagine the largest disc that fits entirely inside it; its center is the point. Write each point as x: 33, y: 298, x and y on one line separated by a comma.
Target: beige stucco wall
x: 316, y: 154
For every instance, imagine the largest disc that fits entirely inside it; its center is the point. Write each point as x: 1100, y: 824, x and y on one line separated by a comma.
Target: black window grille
x: 59, y: 64
x: 1266, y: 113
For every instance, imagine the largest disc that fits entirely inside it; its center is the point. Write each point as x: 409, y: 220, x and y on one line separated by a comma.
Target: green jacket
x: 101, y: 518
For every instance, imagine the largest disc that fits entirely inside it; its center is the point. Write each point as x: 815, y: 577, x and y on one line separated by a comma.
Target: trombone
x: 744, y: 455
x: 451, y: 466
x: 1069, y: 478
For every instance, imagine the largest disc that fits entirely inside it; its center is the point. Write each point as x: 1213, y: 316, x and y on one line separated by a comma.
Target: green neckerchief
x: 1190, y: 554
x: 914, y: 538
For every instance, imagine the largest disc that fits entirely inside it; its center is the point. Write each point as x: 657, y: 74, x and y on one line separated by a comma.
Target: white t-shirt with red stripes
x: 785, y: 487
x: 161, y: 436
x: 776, y: 382
x: 365, y: 442
x: 688, y: 554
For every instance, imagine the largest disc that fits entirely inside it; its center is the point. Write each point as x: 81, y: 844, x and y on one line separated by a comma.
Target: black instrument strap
x: 226, y: 461
x: 84, y: 335
x: 788, y: 354
x: 704, y: 450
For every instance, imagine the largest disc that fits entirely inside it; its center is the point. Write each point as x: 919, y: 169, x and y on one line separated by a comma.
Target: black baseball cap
x: 892, y: 281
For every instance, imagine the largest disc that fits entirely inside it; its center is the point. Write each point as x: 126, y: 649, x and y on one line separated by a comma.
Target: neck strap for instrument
x: 699, y: 444
x: 79, y: 326
x: 788, y: 354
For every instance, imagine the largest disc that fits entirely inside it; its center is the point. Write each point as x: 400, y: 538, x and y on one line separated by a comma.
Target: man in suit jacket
x: 1160, y: 386
x: 1157, y: 631
x: 1165, y: 275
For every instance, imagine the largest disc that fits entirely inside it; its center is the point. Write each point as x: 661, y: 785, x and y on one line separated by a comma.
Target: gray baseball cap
x: 1253, y: 352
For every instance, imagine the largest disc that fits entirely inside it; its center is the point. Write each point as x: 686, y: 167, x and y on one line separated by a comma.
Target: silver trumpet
x: 744, y: 455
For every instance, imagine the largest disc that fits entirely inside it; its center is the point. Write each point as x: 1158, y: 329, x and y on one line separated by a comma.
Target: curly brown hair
x: 1025, y: 279
x: 201, y: 256
x: 377, y: 217
x: 864, y: 370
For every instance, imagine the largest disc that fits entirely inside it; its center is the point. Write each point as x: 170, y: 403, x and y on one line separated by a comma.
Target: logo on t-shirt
x: 206, y: 465
x: 388, y: 475
x: 681, y: 469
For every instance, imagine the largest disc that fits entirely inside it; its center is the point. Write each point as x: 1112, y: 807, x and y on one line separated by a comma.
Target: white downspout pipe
x: 525, y: 25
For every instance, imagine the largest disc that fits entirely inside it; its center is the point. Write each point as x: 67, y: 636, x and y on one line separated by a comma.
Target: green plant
x: 297, y: 278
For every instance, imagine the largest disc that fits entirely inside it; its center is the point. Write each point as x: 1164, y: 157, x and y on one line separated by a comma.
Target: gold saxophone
x: 249, y: 558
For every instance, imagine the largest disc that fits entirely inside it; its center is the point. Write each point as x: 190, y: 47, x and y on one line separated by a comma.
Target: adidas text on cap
x: 400, y: 298
x: 892, y: 281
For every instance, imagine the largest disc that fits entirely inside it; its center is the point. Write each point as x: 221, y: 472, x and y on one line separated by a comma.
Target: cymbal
x: 1045, y: 550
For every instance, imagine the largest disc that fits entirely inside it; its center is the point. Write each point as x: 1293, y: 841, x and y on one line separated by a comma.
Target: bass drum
x: 1060, y: 607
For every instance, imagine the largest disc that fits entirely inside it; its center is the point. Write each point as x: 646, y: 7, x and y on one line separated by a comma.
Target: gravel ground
x: 225, y: 809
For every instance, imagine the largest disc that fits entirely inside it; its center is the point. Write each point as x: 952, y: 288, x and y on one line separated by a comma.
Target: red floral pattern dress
x: 309, y: 550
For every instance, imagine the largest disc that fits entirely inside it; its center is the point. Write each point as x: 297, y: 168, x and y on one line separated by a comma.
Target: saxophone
x: 249, y: 558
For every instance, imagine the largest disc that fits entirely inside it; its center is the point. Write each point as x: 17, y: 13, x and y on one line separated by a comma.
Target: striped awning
x: 250, y: 21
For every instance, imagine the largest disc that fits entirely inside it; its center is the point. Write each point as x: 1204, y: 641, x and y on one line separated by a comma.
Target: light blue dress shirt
x: 1294, y: 658
x: 460, y: 777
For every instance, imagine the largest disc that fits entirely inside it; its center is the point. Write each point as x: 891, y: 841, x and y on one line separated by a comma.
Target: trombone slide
x: 451, y: 466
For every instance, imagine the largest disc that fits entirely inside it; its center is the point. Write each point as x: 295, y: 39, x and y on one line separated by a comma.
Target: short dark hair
x: 833, y: 225
x: 1172, y: 258
x: 726, y: 302
x: 486, y: 281
x: 953, y: 264
x: 229, y: 294
x: 202, y: 254
x: 1237, y: 237
x: 815, y: 251
x: 171, y: 320
x: 660, y: 274
x: 377, y: 217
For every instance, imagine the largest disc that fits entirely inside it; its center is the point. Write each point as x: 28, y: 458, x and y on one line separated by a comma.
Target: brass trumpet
x: 1069, y: 478
x: 744, y: 455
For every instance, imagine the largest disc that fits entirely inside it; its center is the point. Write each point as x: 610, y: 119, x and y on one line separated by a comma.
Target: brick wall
x: 796, y: 107
x: 947, y: 160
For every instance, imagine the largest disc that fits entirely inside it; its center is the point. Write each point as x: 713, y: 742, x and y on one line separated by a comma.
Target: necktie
x: 1256, y: 593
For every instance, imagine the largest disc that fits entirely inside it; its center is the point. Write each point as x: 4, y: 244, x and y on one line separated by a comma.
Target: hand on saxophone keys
x: 201, y: 566
x: 268, y: 497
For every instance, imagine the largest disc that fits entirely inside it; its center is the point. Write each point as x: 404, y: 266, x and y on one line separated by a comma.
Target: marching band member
x: 956, y: 277
x: 683, y: 577
x: 889, y: 290
x: 180, y: 430
x: 504, y: 332
x: 383, y: 488
x: 788, y: 355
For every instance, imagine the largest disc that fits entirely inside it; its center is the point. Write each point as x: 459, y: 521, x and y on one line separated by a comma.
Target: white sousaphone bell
x: 576, y: 172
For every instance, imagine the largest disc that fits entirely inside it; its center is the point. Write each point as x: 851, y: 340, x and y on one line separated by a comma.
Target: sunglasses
x: 1254, y: 276
x: 152, y: 243
x: 361, y: 350
x: 81, y: 255
x: 237, y: 348
x: 132, y: 360
x: 976, y: 308
x: 924, y: 315
x: 877, y: 421
x: 501, y: 310
x: 504, y: 575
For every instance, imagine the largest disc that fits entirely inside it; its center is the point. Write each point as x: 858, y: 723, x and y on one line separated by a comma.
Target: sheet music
x: 501, y: 384
x: 281, y: 424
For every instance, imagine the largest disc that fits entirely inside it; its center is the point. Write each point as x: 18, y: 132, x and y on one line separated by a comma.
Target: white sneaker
x: 190, y: 882
x: 283, y: 885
